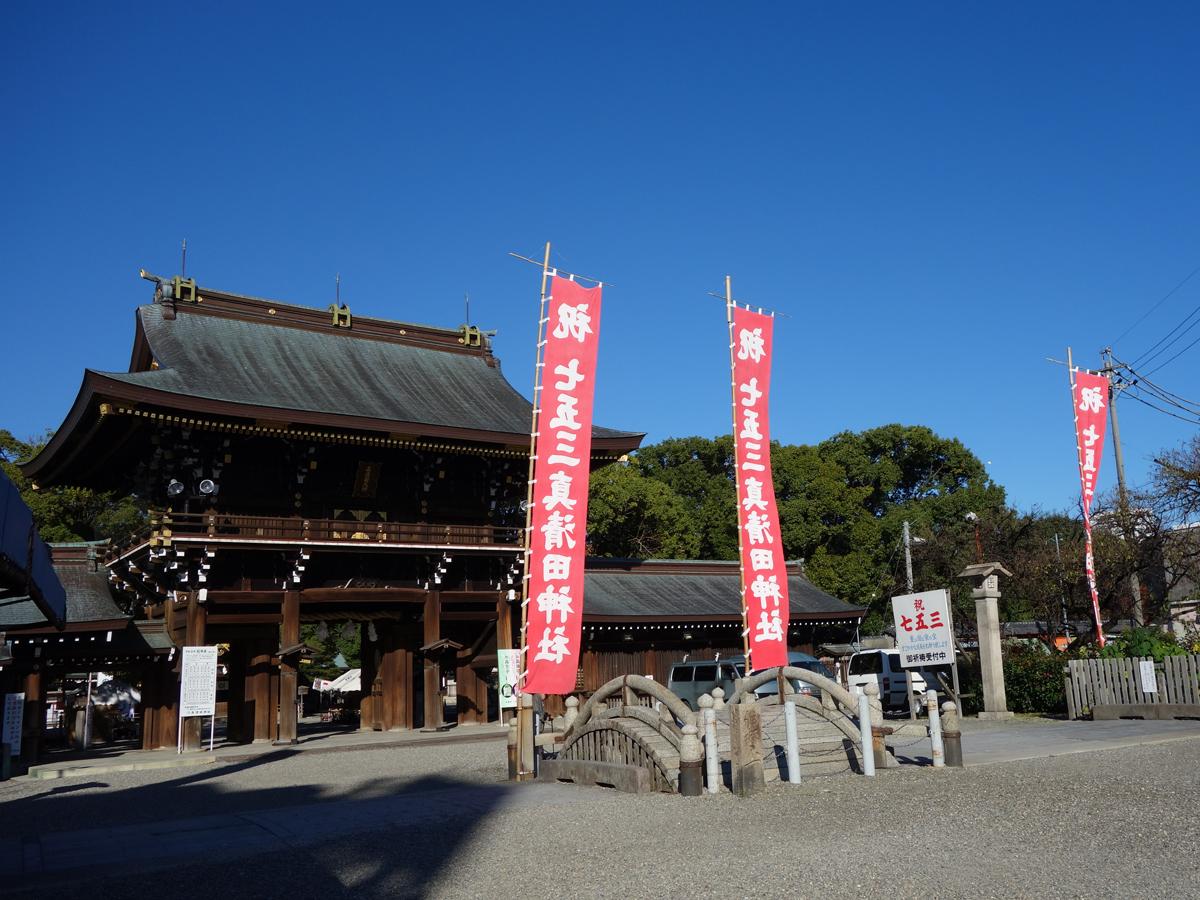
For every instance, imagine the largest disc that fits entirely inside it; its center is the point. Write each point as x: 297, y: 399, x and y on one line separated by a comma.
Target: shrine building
x: 305, y: 466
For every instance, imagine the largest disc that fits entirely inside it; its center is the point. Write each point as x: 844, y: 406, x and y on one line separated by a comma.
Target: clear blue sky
x: 939, y: 195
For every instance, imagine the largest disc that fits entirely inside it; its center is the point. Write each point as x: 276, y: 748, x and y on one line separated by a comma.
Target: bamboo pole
x: 525, y: 713
x: 737, y: 468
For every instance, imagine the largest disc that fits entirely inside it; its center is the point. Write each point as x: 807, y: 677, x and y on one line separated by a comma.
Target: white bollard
x: 935, y: 729
x: 712, y: 755
x: 793, y: 748
x: 864, y: 730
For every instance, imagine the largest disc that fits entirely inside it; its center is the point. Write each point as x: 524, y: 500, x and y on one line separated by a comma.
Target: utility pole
x: 1062, y: 593
x: 1122, y: 493
x: 908, y: 558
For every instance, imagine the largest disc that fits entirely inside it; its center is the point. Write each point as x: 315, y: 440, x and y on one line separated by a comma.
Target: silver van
x: 689, y: 680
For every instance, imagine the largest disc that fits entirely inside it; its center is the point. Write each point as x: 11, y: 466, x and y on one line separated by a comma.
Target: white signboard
x: 923, y: 629
x: 14, y: 715
x: 508, y: 669
x: 198, y: 683
x: 1149, y: 679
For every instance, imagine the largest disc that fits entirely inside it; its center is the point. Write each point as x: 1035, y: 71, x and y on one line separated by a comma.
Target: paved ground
x: 438, y: 821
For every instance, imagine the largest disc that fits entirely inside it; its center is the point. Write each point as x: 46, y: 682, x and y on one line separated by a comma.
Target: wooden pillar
x: 433, y: 666
x: 504, y: 638
x: 167, y: 719
x: 370, y: 715
x: 289, y: 637
x: 33, y: 722
x: 398, y: 640
x: 260, y: 715
x: 150, y: 705
x: 472, y: 696
x: 197, y: 619
x: 235, y: 708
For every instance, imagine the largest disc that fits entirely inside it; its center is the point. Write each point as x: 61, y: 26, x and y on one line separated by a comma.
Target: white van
x: 882, y: 667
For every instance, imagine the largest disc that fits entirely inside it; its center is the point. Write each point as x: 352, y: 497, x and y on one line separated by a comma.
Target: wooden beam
x: 362, y: 595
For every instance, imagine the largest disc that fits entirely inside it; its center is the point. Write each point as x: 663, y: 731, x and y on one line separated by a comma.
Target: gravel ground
x: 271, y: 781
x: 1108, y: 823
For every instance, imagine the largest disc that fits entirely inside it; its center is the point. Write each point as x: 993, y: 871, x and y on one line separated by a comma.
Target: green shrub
x: 1145, y: 641
x: 1033, y: 680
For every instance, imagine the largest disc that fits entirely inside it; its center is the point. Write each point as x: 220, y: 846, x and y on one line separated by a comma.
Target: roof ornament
x: 341, y: 312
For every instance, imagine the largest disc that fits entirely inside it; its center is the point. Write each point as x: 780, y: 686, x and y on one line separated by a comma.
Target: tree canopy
x: 64, y: 514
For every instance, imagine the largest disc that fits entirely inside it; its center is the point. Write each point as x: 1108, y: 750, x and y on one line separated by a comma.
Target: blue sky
x: 938, y: 195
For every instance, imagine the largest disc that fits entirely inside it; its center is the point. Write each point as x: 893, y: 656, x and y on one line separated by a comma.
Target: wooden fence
x: 1106, y: 683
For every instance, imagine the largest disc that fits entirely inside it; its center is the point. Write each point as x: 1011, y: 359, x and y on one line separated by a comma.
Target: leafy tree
x: 631, y: 515
x: 338, y: 640
x: 65, y: 514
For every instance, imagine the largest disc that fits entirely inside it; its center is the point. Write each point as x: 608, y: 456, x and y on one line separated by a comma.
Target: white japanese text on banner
x: 1089, y: 396
x: 558, y: 519
x: 764, y: 573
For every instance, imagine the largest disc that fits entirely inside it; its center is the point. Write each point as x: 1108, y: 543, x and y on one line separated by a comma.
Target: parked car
x: 882, y: 668
x: 798, y: 660
x: 689, y: 680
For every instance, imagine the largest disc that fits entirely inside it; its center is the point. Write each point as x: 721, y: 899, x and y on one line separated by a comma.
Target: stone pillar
x: 746, y: 748
x: 289, y: 638
x: 433, y: 663
x: 986, y: 594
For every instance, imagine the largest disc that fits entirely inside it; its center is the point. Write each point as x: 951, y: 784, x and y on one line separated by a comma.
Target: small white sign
x: 198, y: 683
x: 923, y: 629
x: 508, y: 676
x: 1149, y: 678
x: 14, y: 718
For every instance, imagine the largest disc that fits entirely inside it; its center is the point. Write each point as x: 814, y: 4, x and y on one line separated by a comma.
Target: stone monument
x: 986, y: 592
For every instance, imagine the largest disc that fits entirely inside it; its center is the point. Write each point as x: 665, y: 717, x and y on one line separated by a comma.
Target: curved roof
x: 691, y: 590
x: 243, y: 357
x: 250, y: 363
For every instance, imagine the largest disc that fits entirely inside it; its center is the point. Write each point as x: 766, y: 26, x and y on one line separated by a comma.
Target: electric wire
x: 1167, y: 297
x: 1159, y: 347
x: 1180, y: 353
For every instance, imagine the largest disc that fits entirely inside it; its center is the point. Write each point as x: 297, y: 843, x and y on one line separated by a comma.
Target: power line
x: 1167, y: 297
x: 1179, y: 354
x: 1139, y: 399
x: 1148, y: 357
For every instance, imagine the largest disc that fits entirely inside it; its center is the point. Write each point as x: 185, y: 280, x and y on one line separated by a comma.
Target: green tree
x: 65, y: 514
x: 630, y: 515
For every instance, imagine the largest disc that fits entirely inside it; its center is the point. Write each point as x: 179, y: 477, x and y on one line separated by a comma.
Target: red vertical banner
x: 558, y: 519
x: 765, y: 607
x: 1090, y: 399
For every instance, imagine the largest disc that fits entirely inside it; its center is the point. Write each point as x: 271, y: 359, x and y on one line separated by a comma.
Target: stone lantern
x: 985, y: 580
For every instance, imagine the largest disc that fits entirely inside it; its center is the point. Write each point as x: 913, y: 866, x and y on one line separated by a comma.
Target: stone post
x: 951, y: 735
x: 572, y: 712
x: 712, y: 752
x: 875, y: 707
x: 937, y: 749
x: 718, y: 698
x: 793, y: 747
x: 746, y: 747
x: 866, y: 732
x: 986, y: 593
x: 691, y: 774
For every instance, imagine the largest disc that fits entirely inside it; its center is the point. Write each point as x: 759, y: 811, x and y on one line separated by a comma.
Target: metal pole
x: 1122, y: 492
x: 793, y: 747
x: 864, y: 732
x: 212, y: 732
x: 87, y: 715
x: 1062, y: 592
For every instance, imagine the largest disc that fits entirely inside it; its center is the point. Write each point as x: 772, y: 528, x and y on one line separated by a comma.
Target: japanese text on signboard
x: 558, y: 518
x: 923, y: 629
x: 764, y: 573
